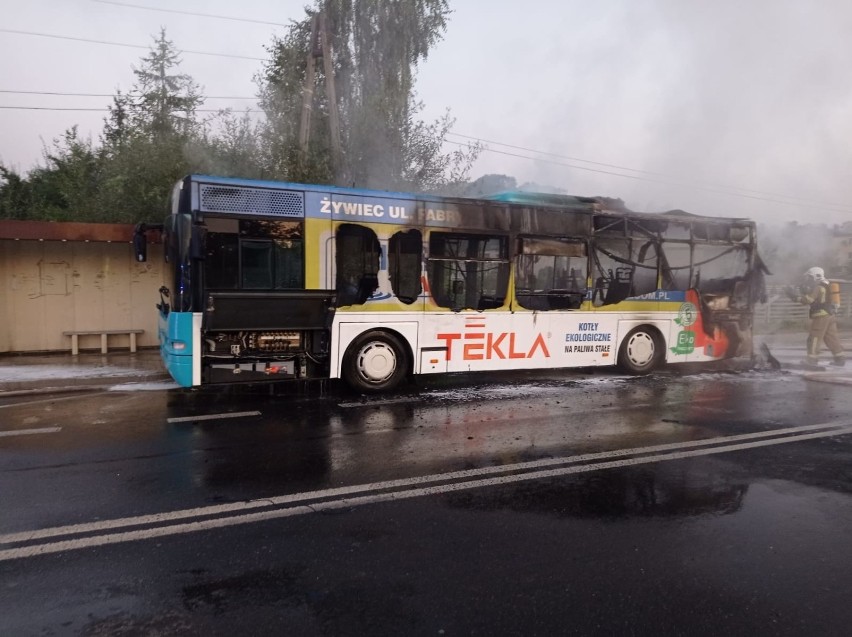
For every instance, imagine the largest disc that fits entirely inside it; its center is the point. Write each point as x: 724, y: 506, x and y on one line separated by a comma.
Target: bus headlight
x: 178, y: 346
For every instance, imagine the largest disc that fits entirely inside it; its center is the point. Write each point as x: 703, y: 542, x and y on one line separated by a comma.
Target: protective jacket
x: 817, y: 297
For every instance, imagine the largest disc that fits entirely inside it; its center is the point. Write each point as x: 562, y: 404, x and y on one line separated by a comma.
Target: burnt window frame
x: 552, y: 297
x: 356, y: 267
x: 473, y: 265
x: 616, y: 284
x: 406, y: 243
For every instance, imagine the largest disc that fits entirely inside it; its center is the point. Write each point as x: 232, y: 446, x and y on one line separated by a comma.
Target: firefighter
x: 815, y: 292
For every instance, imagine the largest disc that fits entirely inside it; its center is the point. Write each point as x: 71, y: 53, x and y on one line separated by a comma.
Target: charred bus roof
x: 532, y: 212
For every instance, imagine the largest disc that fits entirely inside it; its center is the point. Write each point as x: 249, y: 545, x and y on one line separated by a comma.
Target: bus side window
x: 468, y: 271
x: 221, y: 266
x: 256, y: 264
x: 720, y: 273
x: 645, y: 264
x: 357, y: 259
x: 676, y: 258
x: 623, y: 268
x: 612, y: 273
x: 550, y: 274
x: 404, y: 265
x: 620, y: 287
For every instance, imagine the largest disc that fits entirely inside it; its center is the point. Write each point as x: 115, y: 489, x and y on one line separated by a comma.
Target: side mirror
x: 140, y: 243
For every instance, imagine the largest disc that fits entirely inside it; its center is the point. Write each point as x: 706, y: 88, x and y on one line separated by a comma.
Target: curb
x: 81, y: 387
x: 49, y: 390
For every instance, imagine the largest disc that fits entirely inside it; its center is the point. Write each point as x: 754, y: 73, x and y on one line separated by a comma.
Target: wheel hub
x: 640, y: 349
x: 376, y: 362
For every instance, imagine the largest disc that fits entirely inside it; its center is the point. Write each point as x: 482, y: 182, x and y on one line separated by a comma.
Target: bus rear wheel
x: 641, y: 351
x: 375, y: 361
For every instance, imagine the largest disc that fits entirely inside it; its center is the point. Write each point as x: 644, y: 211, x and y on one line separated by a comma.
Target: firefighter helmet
x: 817, y: 274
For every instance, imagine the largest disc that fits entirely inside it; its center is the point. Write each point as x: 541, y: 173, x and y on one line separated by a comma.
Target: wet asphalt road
x: 567, y: 503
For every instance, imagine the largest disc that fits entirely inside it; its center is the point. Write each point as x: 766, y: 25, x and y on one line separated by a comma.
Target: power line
x: 666, y: 179
x: 191, y: 13
x: 541, y: 152
x: 104, y: 110
x: 470, y: 137
x: 792, y: 201
x: 206, y: 97
x: 767, y: 196
x: 132, y: 46
x: 645, y: 172
x: 779, y: 199
x: 51, y: 108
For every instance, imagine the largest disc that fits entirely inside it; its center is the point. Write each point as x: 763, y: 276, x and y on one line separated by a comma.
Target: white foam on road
x: 30, y: 432
x: 161, y: 386
x: 23, y: 373
x: 521, y: 389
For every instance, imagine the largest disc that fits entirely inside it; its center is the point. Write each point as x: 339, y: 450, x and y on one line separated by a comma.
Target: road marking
x: 343, y: 503
x: 780, y: 437
x: 234, y: 414
x: 218, y: 509
x: 30, y: 432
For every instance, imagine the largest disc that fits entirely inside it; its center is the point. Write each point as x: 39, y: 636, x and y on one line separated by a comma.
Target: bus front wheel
x: 641, y: 351
x: 374, y: 362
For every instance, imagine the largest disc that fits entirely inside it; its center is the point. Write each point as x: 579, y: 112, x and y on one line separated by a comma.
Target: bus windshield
x: 177, y: 250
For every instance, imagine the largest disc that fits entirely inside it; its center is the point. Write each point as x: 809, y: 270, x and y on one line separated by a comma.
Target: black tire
x: 375, y: 361
x: 642, y: 351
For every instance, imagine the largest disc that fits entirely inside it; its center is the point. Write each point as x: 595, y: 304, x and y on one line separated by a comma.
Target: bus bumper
x: 176, y: 346
x: 179, y: 366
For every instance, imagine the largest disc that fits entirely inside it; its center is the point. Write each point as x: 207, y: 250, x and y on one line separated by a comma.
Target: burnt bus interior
x: 246, y: 272
x: 634, y: 256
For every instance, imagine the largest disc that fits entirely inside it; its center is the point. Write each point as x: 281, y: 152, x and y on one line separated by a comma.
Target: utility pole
x: 320, y: 46
x: 308, y: 88
x: 331, y: 93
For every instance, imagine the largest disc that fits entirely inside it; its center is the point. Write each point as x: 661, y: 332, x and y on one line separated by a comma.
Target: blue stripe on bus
x: 661, y: 295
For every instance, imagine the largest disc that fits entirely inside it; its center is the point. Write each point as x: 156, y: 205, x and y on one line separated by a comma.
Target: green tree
x: 60, y: 190
x: 64, y: 189
x: 151, y: 137
x: 280, y: 91
x: 117, y: 127
x: 377, y: 45
x: 15, y: 195
x: 164, y: 102
x: 235, y: 150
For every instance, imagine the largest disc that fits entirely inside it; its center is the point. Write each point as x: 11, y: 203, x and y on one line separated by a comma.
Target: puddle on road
x: 682, y: 489
x: 695, y: 490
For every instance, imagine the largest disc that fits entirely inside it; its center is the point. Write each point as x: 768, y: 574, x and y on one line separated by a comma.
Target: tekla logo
x: 476, y: 344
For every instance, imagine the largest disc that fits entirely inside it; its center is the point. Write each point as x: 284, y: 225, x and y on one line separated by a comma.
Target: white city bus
x: 268, y: 281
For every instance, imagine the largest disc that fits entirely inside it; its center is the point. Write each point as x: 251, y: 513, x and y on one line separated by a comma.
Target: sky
x: 727, y: 108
